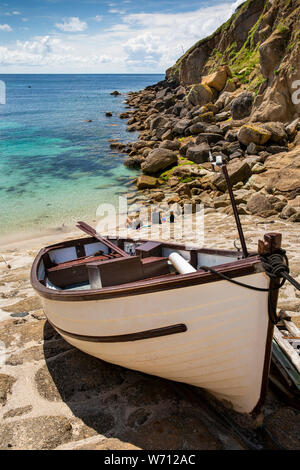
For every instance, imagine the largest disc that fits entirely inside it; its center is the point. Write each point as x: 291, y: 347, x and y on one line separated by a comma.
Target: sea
x: 55, y: 166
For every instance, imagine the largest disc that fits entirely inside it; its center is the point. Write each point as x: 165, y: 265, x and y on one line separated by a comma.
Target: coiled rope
x: 276, y: 267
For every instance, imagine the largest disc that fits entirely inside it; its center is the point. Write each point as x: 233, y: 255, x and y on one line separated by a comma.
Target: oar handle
x: 91, y: 231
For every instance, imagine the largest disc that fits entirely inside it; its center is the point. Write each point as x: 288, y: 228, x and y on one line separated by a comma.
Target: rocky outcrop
x: 260, y: 44
x: 146, y: 182
x: 229, y: 96
x: 158, y: 160
x: 253, y: 134
x: 194, y: 64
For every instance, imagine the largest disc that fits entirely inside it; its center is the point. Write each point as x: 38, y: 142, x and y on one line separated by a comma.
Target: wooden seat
x: 149, y: 249
x: 75, y: 271
x: 84, y: 260
x: 125, y: 270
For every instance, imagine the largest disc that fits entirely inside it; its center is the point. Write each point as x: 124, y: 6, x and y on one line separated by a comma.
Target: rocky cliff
x: 235, y: 94
x: 261, y: 45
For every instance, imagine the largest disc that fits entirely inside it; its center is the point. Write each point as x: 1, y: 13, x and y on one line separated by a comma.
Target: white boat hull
x: 222, y: 351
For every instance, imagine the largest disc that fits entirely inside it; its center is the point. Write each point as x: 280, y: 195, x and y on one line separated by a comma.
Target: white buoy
x: 180, y: 264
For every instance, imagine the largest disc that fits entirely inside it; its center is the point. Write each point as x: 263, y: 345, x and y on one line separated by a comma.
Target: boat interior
x: 87, y: 263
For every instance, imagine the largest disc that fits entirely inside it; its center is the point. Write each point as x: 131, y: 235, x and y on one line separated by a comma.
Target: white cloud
x: 98, y: 18
x: 72, y: 25
x: 5, y: 27
x: 115, y: 10
x: 162, y: 38
x: 144, y: 42
x: 10, y: 13
x: 47, y: 51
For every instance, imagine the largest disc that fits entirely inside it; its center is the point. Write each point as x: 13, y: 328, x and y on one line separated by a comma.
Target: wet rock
x: 19, y: 315
x: 231, y: 136
x: 158, y: 160
x: 134, y: 162
x: 274, y: 149
x: 223, y: 116
x: 258, y: 203
x: 237, y: 171
x: 117, y: 145
x: 287, y: 212
x: 6, y: 383
x: 115, y: 93
x: 44, y: 432
x: 241, y: 106
x: 209, y: 138
x: 108, y: 114
x: 170, y: 145
x: 167, y: 135
x: 196, y: 128
x: 295, y: 217
x: 279, y: 206
x: 200, y: 94
x: 181, y: 126
x: 198, y: 153
x: 255, y: 134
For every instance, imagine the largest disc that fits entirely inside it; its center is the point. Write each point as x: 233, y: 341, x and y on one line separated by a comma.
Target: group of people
x: 135, y: 222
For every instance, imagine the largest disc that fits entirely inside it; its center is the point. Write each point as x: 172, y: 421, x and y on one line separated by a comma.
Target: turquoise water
x: 56, y: 168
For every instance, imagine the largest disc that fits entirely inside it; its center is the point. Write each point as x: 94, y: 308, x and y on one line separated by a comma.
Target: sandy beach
x: 53, y: 396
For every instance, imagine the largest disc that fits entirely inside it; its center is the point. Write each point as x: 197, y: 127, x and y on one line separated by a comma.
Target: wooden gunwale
x: 239, y: 268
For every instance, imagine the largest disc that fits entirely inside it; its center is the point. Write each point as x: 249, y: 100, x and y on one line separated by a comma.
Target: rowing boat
x: 184, y: 314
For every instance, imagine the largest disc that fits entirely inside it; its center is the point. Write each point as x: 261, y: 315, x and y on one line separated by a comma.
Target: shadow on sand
x: 145, y: 411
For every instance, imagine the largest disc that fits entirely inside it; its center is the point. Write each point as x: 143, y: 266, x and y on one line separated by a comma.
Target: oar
x: 92, y: 232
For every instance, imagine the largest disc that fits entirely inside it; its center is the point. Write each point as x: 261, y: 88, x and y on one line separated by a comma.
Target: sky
x: 94, y: 36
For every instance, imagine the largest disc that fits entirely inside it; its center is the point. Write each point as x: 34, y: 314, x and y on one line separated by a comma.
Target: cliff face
x: 261, y: 45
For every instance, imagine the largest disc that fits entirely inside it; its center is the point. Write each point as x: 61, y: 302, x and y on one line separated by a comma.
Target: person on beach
x: 172, y: 217
x: 137, y: 222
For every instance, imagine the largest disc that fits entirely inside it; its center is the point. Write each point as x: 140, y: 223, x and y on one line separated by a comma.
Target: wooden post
x: 235, y: 212
x: 270, y: 245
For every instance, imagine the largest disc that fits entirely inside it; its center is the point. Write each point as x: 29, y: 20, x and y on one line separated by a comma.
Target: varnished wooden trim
x: 141, y: 335
x: 235, y: 269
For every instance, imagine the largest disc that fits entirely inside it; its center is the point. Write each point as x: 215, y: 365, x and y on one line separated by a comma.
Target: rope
x: 276, y: 267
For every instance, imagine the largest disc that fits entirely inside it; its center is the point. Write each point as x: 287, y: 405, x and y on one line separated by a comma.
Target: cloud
x: 10, y: 13
x: 98, y: 18
x: 117, y: 11
x: 5, y: 27
x: 72, y: 25
x: 140, y: 42
x: 47, y: 51
x: 162, y: 38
